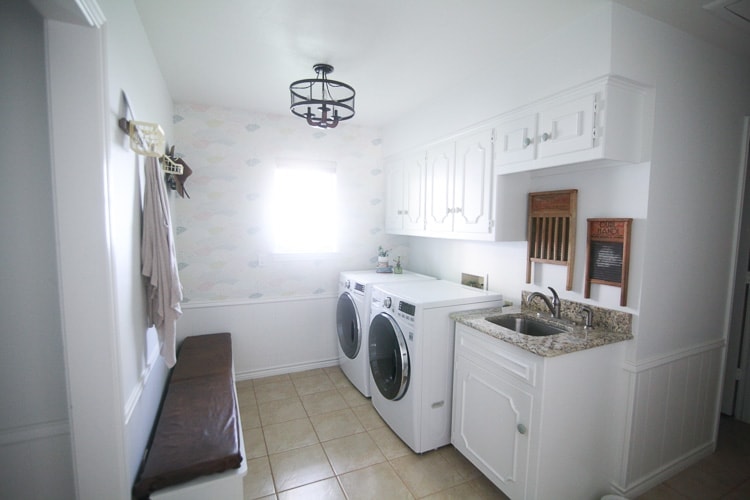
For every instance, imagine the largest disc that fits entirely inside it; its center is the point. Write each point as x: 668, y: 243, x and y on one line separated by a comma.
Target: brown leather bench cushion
x: 197, y: 432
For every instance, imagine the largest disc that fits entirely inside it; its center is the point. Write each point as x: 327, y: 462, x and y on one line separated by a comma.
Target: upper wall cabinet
x: 404, y: 200
x: 601, y: 121
x: 459, y: 185
x: 448, y: 190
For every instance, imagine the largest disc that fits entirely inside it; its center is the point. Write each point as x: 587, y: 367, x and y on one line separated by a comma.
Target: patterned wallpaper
x: 222, y: 234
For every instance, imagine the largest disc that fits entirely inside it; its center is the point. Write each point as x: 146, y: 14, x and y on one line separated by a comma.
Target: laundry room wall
x: 280, y: 311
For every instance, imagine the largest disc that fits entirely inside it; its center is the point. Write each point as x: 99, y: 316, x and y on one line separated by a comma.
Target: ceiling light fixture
x: 322, y: 102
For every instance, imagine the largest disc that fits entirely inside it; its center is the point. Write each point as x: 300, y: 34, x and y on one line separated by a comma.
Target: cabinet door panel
x: 413, y: 208
x: 491, y: 426
x: 473, y: 186
x: 516, y: 140
x: 394, y: 195
x: 567, y: 127
x: 439, y: 182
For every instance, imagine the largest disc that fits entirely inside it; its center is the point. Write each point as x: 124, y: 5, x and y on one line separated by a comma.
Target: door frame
x: 736, y: 390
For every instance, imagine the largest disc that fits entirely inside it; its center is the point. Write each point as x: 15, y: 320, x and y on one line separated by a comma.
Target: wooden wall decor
x: 552, y: 230
x: 608, y: 255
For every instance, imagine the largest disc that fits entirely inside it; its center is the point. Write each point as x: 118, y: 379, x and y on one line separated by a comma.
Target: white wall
x: 281, y: 311
x: 132, y: 68
x: 675, y: 369
x: 114, y: 378
x: 573, y: 55
x: 34, y: 427
x: 701, y: 98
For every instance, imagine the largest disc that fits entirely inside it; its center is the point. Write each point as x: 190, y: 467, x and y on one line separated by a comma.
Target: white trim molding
x: 33, y: 432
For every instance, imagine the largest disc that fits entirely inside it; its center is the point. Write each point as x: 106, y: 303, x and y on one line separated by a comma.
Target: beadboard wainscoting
x: 269, y: 337
x: 674, y: 415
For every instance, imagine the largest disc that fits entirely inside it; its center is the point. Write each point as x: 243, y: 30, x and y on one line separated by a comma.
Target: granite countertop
x: 575, y: 339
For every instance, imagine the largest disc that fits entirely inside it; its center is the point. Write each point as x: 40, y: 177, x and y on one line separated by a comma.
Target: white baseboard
x: 282, y: 370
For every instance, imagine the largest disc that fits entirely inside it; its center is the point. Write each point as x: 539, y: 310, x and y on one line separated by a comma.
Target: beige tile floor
x: 312, y: 435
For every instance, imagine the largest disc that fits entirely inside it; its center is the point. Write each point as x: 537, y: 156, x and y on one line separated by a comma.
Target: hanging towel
x: 158, y: 262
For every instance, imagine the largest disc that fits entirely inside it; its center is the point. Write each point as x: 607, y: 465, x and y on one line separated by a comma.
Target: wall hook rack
x: 147, y: 139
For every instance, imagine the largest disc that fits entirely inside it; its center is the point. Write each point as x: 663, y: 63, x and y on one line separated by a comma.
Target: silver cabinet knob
x: 521, y: 429
x: 546, y: 137
x: 527, y: 142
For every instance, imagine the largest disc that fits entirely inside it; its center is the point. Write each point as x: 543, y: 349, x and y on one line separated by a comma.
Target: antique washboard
x: 552, y: 230
x: 608, y: 255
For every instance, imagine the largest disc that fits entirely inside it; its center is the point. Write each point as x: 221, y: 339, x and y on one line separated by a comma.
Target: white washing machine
x: 411, y: 356
x: 353, y: 320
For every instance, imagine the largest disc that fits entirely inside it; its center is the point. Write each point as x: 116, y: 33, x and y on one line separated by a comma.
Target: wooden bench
x: 197, y: 439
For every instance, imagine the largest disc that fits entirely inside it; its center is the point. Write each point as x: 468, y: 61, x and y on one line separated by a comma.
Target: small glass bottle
x: 397, y: 269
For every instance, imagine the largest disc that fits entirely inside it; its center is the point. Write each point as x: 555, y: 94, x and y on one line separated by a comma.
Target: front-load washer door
x: 389, y: 357
x: 348, y: 326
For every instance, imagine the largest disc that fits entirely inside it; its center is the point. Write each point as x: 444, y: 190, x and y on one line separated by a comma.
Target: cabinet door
x: 567, y: 127
x: 394, y: 195
x: 439, y: 183
x: 472, y: 198
x: 491, y: 422
x: 516, y: 140
x: 413, y: 192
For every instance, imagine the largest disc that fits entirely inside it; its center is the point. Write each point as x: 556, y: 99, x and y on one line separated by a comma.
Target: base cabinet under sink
x: 537, y: 427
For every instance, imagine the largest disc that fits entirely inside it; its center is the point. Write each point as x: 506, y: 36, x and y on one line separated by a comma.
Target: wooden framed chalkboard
x: 608, y: 255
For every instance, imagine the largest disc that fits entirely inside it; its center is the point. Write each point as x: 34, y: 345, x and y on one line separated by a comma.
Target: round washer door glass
x: 347, y: 325
x: 389, y: 357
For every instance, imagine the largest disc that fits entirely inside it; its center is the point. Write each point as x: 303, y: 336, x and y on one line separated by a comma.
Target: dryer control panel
x: 406, y: 308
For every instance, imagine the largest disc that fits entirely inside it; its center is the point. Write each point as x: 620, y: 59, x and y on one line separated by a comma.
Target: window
x: 304, y: 208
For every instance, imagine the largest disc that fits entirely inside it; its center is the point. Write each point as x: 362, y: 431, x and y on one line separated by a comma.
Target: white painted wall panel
x: 35, y: 453
x: 270, y: 337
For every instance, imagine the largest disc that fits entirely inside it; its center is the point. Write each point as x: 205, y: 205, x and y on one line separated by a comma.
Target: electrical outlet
x: 473, y: 280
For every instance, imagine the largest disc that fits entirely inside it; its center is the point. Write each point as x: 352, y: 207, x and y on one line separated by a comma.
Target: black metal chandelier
x: 322, y: 102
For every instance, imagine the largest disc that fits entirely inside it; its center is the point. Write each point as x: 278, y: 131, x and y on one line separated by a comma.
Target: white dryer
x: 353, y: 319
x: 411, y: 356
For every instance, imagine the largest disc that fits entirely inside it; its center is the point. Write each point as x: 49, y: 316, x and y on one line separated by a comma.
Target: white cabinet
x: 404, y: 201
x: 449, y: 190
x: 441, y: 165
x: 459, y: 185
x: 537, y: 427
x: 600, y: 121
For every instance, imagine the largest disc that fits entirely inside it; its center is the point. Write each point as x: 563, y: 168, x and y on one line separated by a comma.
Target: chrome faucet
x: 553, y: 305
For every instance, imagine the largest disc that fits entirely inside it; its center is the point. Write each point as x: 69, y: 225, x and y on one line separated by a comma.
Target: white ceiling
x: 395, y: 53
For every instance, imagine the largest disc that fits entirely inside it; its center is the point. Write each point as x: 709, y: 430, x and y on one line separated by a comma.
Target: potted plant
x: 382, y: 257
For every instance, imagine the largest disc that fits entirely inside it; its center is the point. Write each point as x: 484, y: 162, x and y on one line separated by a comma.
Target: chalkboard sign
x: 606, y: 261
x: 608, y: 255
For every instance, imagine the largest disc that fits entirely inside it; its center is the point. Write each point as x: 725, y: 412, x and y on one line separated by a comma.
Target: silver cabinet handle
x: 521, y: 429
x: 546, y: 137
x: 527, y: 142
x: 457, y: 210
